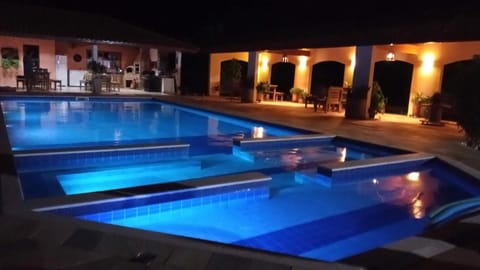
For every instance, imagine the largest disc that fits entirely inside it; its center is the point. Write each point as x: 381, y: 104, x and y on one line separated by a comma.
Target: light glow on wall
x: 302, y: 62
x: 352, y: 62
x: 428, y: 63
x: 264, y: 62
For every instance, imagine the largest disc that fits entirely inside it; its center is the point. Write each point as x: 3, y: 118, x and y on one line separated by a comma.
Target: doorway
x: 33, y: 51
x: 283, y: 75
x: 395, y: 78
x: 325, y: 74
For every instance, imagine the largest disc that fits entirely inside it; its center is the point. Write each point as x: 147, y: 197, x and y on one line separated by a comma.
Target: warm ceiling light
x: 390, y: 55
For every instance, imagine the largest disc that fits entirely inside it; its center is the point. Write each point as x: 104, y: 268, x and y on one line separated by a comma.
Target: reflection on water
x: 258, y: 132
x: 415, y: 189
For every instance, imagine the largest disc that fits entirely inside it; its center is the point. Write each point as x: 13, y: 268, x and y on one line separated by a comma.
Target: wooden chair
x: 343, y: 99
x: 333, y: 101
x: 87, y: 80
x: 115, y: 82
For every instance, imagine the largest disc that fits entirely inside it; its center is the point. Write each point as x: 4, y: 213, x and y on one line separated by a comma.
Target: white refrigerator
x: 61, y: 69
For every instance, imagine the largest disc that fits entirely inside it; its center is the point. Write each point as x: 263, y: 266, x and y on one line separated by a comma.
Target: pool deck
x: 39, y: 241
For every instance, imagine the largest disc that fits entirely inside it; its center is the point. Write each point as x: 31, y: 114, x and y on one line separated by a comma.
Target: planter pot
x: 97, y: 85
x: 435, y: 113
x: 247, y: 95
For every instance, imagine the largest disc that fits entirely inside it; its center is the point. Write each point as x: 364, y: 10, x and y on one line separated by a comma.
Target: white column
x: 95, y: 52
x: 178, y: 67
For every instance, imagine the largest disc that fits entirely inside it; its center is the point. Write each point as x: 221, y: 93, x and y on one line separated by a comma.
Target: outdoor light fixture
x: 285, y: 58
x: 390, y: 55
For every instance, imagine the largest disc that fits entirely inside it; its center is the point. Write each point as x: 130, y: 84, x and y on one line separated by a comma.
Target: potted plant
x: 377, y: 102
x: 296, y: 93
x: 419, y: 100
x: 97, y: 70
x: 262, y: 88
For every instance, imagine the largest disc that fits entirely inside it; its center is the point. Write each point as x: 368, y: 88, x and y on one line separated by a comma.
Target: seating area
x: 40, y: 81
x: 334, y: 99
x: 110, y: 82
x: 273, y: 94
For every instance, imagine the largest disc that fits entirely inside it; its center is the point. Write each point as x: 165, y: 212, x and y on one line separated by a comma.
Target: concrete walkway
x: 38, y: 241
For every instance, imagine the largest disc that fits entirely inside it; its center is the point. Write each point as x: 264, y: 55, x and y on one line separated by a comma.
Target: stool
x: 54, y: 84
x: 21, y: 79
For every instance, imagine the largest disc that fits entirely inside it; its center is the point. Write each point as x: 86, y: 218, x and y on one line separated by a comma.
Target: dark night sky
x: 209, y: 22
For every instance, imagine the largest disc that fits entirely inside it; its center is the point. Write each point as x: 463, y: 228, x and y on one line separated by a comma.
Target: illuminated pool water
x: 302, y: 218
x: 40, y: 123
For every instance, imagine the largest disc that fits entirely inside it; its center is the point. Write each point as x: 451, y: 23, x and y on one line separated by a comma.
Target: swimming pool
x: 291, y: 192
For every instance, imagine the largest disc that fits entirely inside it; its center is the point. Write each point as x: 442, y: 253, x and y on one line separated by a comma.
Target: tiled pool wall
x: 450, y: 173
x: 365, y: 147
x: 98, y: 157
x: 179, y: 195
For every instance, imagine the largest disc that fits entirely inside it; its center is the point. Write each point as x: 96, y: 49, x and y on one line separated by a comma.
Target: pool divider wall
x: 154, y: 199
x: 99, y: 156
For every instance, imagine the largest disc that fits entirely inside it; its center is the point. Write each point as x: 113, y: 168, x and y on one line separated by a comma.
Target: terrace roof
x: 46, y: 22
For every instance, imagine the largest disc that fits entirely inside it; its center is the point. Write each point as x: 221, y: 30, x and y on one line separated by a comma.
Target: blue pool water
x: 142, y: 151
x: 301, y: 218
x: 37, y: 123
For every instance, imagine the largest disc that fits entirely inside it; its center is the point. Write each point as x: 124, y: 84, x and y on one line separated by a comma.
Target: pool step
x: 127, y: 176
x: 284, y: 149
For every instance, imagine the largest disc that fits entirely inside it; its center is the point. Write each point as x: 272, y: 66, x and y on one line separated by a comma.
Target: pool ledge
x: 379, y: 164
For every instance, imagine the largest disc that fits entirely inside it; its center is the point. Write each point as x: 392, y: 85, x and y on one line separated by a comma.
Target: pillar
x: 249, y: 93
x: 359, y: 98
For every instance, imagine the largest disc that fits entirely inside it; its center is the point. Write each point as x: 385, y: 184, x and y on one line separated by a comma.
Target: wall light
x: 285, y: 58
x: 390, y: 55
x: 428, y: 62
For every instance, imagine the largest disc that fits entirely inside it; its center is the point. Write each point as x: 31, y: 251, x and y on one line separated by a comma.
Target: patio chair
x: 317, y: 97
x: 333, y: 101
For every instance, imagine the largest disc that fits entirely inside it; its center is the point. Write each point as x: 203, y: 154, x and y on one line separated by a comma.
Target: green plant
x: 297, y: 91
x: 378, y: 101
x: 262, y: 87
x: 419, y: 98
x: 96, y: 67
x: 10, y: 63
